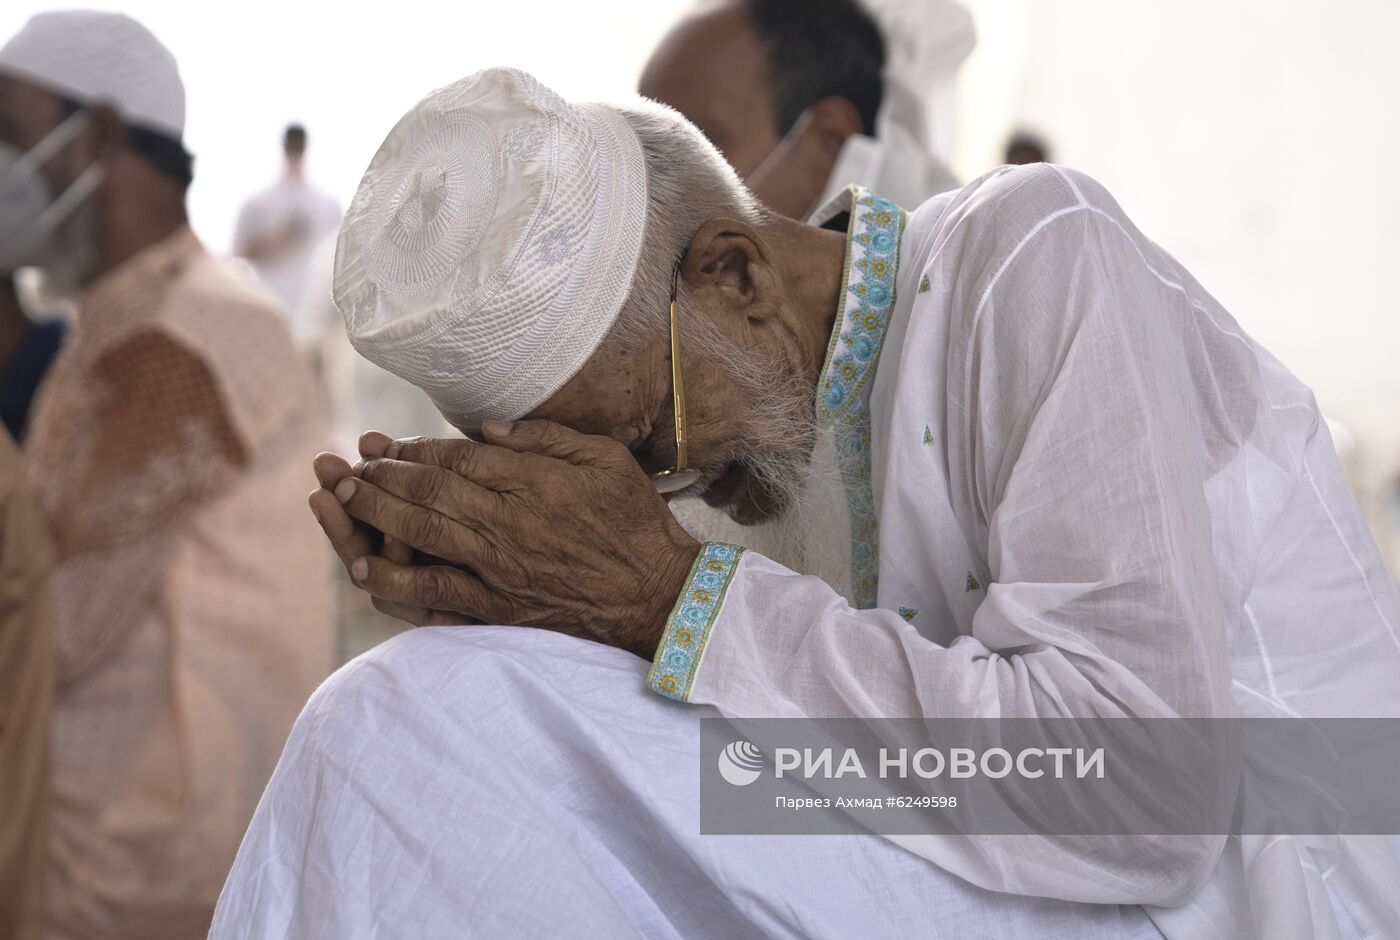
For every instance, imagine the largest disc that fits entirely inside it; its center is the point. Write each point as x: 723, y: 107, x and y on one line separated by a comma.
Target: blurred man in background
x: 805, y: 97
x: 280, y: 227
x: 27, y: 348
x: 166, y: 448
x: 1024, y: 149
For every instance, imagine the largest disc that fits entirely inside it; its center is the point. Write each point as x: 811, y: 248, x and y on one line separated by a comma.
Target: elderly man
x: 805, y: 98
x: 1029, y: 467
x: 164, y: 449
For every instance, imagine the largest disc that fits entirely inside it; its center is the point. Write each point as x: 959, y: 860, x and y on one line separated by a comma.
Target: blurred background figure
x: 168, y: 449
x: 26, y: 697
x: 1024, y: 148
x: 27, y: 347
x: 805, y: 97
x: 280, y: 227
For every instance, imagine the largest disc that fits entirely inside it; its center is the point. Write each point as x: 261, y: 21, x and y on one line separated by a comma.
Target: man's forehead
x: 711, y: 63
x: 20, y: 91
x: 717, y: 28
x: 608, y: 396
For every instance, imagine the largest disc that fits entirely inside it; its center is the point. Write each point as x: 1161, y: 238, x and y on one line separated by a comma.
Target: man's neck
x: 813, y: 283
x: 131, y: 221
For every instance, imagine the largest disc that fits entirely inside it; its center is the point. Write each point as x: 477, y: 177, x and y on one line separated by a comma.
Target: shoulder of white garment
x: 1017, y: 198
x: 975, y: 232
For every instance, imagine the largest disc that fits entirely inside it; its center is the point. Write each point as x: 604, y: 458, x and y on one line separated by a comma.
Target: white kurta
x: 1086, y: 492
x: 290, y: 205
x: 1076, y: 488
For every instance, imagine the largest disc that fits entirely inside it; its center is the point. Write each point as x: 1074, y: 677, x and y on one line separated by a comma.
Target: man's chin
x: 741, y: 494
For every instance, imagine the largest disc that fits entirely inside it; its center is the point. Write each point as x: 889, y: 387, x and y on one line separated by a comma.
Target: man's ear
x: 728, y: 258
x: 834, y: 118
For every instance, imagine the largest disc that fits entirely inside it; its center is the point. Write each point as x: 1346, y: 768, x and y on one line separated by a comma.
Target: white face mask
x: 24, y: 195
x: 780, y: 150
x: 37, y: 229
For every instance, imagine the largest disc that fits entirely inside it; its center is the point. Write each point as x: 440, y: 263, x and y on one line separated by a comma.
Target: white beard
x: 812, y: 535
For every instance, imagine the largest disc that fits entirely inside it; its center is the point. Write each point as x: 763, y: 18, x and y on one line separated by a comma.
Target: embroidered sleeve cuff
x: 688, y: 628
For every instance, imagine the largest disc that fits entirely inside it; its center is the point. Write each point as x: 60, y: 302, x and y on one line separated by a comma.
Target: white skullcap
x: 492, y: 243
x: 101, y: 57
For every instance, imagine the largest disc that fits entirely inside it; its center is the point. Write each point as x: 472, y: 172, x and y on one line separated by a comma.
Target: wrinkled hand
x: 352, y: 541
x: 539, y: 526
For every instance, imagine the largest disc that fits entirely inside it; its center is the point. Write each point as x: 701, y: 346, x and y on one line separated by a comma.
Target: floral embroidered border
x: 688, y: 628
x: 867, y: 303
x: 867, y: 300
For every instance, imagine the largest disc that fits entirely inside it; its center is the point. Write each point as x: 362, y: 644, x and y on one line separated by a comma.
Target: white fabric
x: 893, y: 164
x: 291, y: 204
x: 906, y: 160
x: 926, y: 42
x: 506, y: 782
x: 1097, y: 496
x: 491, y: 243
x: 360, y: 396
x: 106, y: 58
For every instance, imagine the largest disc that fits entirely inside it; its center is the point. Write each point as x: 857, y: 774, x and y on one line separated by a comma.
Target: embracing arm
x: 1079, y: 454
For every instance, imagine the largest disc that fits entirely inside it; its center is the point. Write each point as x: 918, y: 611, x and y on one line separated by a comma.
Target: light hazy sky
x: 348, y: 71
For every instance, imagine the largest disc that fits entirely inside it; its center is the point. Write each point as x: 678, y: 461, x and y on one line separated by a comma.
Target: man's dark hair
x: 294, y: 139
x: 1025, y: 148
x: 818, y: 48
x: 165, y: 153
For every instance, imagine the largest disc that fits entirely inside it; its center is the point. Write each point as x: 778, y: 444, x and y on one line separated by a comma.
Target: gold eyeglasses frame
x: 681, y: 475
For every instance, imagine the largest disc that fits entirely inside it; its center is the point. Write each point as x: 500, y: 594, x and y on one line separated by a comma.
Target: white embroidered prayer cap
x: 106, y: 58
x: 492, y: 243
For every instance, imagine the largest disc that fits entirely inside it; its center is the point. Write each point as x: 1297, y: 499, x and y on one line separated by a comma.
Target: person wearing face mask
x: 27, y: 348
x: 806, y: 97
x: 166, y: 449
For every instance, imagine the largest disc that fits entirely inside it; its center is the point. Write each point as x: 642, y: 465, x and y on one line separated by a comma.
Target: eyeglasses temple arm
x: 678, y: 394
